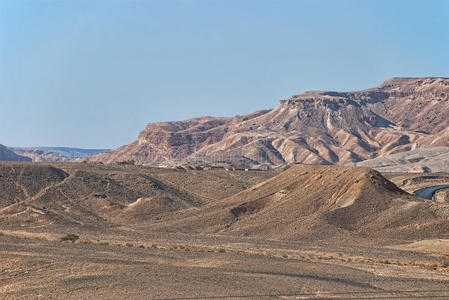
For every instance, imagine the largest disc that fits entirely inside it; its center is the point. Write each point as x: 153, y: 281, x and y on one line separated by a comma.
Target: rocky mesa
x: 315, y: 127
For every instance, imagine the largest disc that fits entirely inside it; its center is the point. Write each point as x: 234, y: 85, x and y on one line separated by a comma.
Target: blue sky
x: 94, y: 73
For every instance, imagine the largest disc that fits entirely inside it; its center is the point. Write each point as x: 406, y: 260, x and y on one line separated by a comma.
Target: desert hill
x: 96, y: 196
x: 303, y: 202
x: 92, y: 230
x: 320, y: 202
x: 314, y: 127
x: 8, y: 155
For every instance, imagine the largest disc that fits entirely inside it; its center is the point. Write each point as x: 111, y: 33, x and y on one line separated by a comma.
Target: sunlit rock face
x: 314, y: 127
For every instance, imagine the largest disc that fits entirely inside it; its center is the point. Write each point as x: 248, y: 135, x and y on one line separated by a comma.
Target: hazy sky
x: 94, y: 73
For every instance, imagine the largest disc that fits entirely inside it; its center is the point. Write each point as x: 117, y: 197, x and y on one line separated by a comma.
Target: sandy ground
x: 181, y: 267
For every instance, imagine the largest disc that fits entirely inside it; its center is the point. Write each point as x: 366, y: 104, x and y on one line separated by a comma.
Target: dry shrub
x: 70, y: 237
x: 38, y: 238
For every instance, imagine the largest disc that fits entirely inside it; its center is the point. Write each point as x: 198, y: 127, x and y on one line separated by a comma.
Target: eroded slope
x: 314, y: 127
x: 320, y: 202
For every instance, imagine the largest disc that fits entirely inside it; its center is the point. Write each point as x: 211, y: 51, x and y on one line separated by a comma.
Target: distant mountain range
x: 401, y: 114
x: 71, y: 153
x: 46, y: 154
x: 8, y: 155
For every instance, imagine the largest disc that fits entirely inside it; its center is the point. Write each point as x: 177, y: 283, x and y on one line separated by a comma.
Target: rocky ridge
x: 314, y: 128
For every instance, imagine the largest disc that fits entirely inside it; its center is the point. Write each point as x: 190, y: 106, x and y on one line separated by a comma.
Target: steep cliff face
x: 314, y: 127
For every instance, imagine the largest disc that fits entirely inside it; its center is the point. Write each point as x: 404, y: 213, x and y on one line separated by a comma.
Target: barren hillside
x: 86, y: 230
x: 95, y: 196
x: 314, y: 127
x: 320, y: 202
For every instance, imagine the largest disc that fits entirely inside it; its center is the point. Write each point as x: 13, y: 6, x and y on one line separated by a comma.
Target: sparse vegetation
x: 70, y: 237
x: 445, y: 264
x: 130, y: 162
